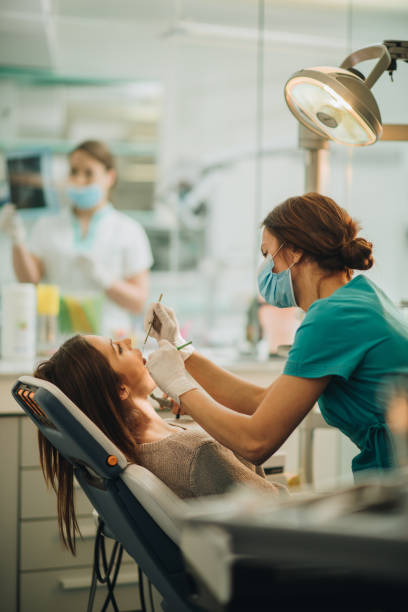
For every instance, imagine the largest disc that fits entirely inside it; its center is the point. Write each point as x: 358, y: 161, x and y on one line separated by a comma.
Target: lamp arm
x: 367, y: 53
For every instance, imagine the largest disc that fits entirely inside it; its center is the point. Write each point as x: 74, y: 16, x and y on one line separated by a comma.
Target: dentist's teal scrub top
x: 360, y: 338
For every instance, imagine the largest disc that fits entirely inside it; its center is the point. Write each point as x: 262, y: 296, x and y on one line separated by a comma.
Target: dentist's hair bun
x: 357, y: 254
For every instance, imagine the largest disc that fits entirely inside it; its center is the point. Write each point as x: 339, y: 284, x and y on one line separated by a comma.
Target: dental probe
x: 151, y: 324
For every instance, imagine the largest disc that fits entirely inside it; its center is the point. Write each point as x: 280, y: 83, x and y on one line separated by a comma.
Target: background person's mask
x: 85, y: 197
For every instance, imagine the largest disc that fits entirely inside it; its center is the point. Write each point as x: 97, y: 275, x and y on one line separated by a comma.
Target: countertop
x: 245, y: 365
x: 17, y: 368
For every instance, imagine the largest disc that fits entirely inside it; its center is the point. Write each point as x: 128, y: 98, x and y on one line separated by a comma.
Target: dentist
x: 351, y: 339
x: 89, y: 246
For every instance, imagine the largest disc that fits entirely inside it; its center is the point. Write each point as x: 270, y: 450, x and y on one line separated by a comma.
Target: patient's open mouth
x: 144, y: 361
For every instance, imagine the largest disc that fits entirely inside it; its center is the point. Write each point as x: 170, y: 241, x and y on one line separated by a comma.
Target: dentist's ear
x: 296, y: 255
x: 124, y: 392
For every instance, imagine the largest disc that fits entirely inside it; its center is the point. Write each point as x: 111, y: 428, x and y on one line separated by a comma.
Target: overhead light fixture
x: 337, y: 103
x: 230, y: 33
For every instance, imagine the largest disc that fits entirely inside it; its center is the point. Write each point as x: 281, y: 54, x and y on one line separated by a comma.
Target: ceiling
x: 204, y: 52
x: 127, y: 38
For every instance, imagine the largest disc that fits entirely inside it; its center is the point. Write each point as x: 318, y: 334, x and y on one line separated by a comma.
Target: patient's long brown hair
x: 87, y: 378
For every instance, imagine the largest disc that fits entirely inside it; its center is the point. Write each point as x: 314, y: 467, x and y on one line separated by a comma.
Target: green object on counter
x: 80, y: 315
x: 64, y: 321
x: 93, y: 310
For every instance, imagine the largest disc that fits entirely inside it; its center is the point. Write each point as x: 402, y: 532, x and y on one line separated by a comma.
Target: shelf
x: 66, y: 146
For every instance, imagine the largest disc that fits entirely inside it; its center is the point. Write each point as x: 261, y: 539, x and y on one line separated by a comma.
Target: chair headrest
x: 67, y: 427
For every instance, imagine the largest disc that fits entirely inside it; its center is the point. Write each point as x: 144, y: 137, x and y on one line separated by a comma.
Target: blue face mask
x: 276, y: 287
x: 85, y: 197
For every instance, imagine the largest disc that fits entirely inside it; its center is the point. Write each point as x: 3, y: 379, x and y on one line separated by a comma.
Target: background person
x: 110, y: 383
x: 88, y: 247
x: 350, y: 340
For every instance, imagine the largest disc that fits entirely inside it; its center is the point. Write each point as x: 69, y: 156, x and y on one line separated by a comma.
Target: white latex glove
x: 95, y: 272
x: 166, y: 327
x: 11, y: 223
x: 167, y: 369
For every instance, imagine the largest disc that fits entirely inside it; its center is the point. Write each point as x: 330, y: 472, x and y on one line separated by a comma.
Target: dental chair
x: 137, y: 509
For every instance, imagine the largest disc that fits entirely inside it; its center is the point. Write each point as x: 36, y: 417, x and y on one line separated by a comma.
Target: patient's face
x: 127, y: 362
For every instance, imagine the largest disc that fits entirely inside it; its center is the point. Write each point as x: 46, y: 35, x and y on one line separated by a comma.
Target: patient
x: 109, y: 382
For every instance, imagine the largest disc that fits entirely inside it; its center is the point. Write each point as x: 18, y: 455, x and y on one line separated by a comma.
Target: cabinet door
x: 29, y: 456
x: 39, y: 502
x: 9, y: 509
x: 42, y: 549
x: 67, y: 590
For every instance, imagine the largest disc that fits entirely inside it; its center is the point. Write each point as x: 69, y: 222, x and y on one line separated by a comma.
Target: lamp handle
x: 367, y: 53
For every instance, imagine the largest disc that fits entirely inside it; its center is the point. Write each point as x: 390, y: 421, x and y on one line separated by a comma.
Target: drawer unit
x: 39, y: 502
x: 29, y: 445
x: 66, y: 590
x: 9, y: 468
x: 41, y: 547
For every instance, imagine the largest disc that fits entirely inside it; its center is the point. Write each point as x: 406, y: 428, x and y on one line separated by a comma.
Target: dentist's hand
x: 11, y: 224
x: 167, y: 369
x: 165, y: 327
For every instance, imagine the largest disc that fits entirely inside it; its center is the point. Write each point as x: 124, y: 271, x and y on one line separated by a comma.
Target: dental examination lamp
x: 336, y: 103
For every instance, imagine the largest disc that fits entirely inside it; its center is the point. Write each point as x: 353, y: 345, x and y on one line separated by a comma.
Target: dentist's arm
x: 225, y: 388
x: 255, y: 437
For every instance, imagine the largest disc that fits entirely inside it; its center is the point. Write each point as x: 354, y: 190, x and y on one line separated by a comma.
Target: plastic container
x: 47, y: 318
x: 18, y: 321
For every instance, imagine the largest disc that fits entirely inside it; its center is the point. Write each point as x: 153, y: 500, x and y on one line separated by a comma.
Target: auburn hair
x: 323, y: 230
x: 84, y: 374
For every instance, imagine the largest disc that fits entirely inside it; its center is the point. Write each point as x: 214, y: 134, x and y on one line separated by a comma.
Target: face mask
x: 85, y: 197
x: 276, y: 288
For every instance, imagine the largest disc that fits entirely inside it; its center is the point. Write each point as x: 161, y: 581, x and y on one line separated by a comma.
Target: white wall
x: 210, y: 102
x: 211, y: 113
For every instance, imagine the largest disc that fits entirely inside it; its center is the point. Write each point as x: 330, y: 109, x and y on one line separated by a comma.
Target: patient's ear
x: 124, y: 392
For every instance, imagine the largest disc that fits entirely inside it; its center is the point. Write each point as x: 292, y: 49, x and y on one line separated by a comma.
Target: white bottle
x: 18, y: 321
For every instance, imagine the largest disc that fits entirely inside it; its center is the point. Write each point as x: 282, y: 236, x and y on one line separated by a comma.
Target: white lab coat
x: 116, y: 242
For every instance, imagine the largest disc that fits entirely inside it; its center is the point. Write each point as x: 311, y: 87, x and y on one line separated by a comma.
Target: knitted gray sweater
x: 192, y: 463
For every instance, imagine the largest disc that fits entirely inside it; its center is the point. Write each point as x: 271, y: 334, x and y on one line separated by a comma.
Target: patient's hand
x: 177, y: 409
x: 175, y: 406
x: 166, y: 402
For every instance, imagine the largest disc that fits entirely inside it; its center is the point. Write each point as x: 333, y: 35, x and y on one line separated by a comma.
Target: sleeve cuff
x: 293, y: 368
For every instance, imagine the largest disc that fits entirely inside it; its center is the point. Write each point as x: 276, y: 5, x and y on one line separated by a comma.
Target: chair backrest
x: 139, y: 510
x: 67, y: 427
